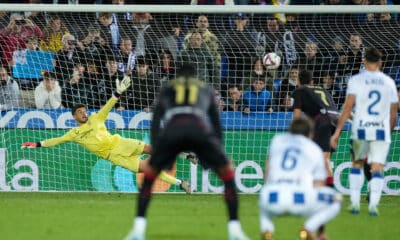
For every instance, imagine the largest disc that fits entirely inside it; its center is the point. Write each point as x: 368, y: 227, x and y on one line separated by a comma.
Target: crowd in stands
x: 57, y: 60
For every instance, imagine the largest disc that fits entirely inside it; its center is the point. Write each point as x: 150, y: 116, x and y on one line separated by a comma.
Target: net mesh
x: 87, y: 52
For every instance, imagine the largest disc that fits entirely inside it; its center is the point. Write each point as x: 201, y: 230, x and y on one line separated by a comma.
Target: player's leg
x: 377, y: 158
x: 267, y: 203
x: 184, y: 185
x: 367, y: 175
x: 227, y: 175
x: 322, y: 135
x: 359, y: 150
x: 161, y: 158
x: 326, y: 207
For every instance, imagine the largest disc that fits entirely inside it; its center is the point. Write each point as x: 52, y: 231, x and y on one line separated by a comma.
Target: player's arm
x: 156, y: 122
x: 297, y: 105
x: 393, y: 115
x: 121, y: 87
x: 49, y: 142
x: 346, y: 113
x: 394, y: 107
x: 214, y: 117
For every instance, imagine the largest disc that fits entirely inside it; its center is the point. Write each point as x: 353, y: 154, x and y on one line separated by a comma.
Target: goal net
x: 59, y: 56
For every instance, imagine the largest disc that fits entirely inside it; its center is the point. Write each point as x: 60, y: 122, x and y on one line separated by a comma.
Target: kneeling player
x: 295, y: 183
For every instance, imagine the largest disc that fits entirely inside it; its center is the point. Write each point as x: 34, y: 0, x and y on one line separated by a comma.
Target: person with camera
x: 96, y: 47
x: 66, y: 58
x: 13, y: 36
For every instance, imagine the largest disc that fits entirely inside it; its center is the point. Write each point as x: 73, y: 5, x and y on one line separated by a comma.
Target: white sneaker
x: 238, y: 235
x: 132, y: 235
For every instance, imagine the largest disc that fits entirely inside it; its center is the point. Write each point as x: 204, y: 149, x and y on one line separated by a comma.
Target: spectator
x: 209, y: 39
x: 95, y: 47
x: 9, y: 91
x: 27, y: 84
x: 127, y: 56
x: 286, y: 87
x: 353, y: 56
x: 74, y: 91
x: 173, y: 41
x: 198, y: 54
x: 95, y: 86
x: 4, y: 19
x: 48, y: 93
x: 144, y: 36
x: 336, y: 54
x: 270, y: 38
x: 330, y: 85
x: 144, y: 86
x: 13, y: 36
x: 240, y: 46
x: 67, y: 57
x: 259, y: 71
x: 235, y: 99
x: 53, y: 33
x: 311, y: 59
x: 109, y: 30
x: 257, y: 98
x: 166, y: 69
x: 111, y: 74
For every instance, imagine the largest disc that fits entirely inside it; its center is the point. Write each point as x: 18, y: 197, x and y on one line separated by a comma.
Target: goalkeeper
x: 92, y: 135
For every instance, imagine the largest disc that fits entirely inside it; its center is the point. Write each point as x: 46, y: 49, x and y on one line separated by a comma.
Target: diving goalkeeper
x: 92, y: 135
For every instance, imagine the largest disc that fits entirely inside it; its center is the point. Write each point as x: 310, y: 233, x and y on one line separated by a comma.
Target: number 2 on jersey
x: 180, y: 93
x: 289, y: 160
x: 376, y: 97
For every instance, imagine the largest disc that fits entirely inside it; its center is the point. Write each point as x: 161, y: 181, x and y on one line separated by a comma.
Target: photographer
x: 95, y: 47
x: 13, y: 36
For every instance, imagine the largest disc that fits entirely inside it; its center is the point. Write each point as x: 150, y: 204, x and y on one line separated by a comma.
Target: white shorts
x: 280, y: 199
x: 376, y: 151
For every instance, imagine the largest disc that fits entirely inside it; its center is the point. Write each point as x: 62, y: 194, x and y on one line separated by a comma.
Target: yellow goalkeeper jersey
x: 92, y: 135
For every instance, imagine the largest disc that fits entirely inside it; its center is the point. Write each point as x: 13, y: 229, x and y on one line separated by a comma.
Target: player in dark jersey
x: 186, y: 118
x: 317, y: 104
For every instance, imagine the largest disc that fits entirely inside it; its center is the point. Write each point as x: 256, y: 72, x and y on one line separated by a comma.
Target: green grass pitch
x: 171, y: 216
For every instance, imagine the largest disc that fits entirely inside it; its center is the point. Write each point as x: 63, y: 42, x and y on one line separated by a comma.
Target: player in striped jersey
x: 374, y: 98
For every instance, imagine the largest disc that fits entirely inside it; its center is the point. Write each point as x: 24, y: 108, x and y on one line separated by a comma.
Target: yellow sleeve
x: 57, y: 141
x: 102, y: 114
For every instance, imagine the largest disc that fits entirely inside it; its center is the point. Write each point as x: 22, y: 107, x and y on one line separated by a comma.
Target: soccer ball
x: 272, y: 61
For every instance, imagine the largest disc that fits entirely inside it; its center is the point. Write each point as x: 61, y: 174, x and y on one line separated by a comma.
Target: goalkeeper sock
x: 230, y: 195
x: 376, y: 189
x: 356, y: 180
x: 168, y: 178
x: 145, y: 194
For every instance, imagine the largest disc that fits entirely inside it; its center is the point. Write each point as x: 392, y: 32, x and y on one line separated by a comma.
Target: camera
x: 20, y: 22
x: 72, y: 42
x: 96, y: 39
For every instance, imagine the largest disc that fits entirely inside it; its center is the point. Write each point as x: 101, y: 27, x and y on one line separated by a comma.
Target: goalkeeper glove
x: 122, y: 85
x: 31, y: 145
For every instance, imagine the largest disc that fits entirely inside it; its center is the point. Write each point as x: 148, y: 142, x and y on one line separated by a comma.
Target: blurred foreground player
x: 189, y: 114
x: 295, y: 183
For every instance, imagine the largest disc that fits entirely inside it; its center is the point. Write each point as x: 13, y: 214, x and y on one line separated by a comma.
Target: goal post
x: 86, y: 47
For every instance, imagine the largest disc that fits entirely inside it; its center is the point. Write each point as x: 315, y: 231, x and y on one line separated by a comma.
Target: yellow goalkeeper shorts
x: 127, y: 154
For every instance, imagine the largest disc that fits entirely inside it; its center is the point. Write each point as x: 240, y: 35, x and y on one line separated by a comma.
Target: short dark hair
x: 302, y: 126
x: 49, y: 75
x: 76, y: 107
x: 305, y: 77
x: 186, y: 70
x: 373, y: 55
x: 140, y: 60
x: 235, y: 86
